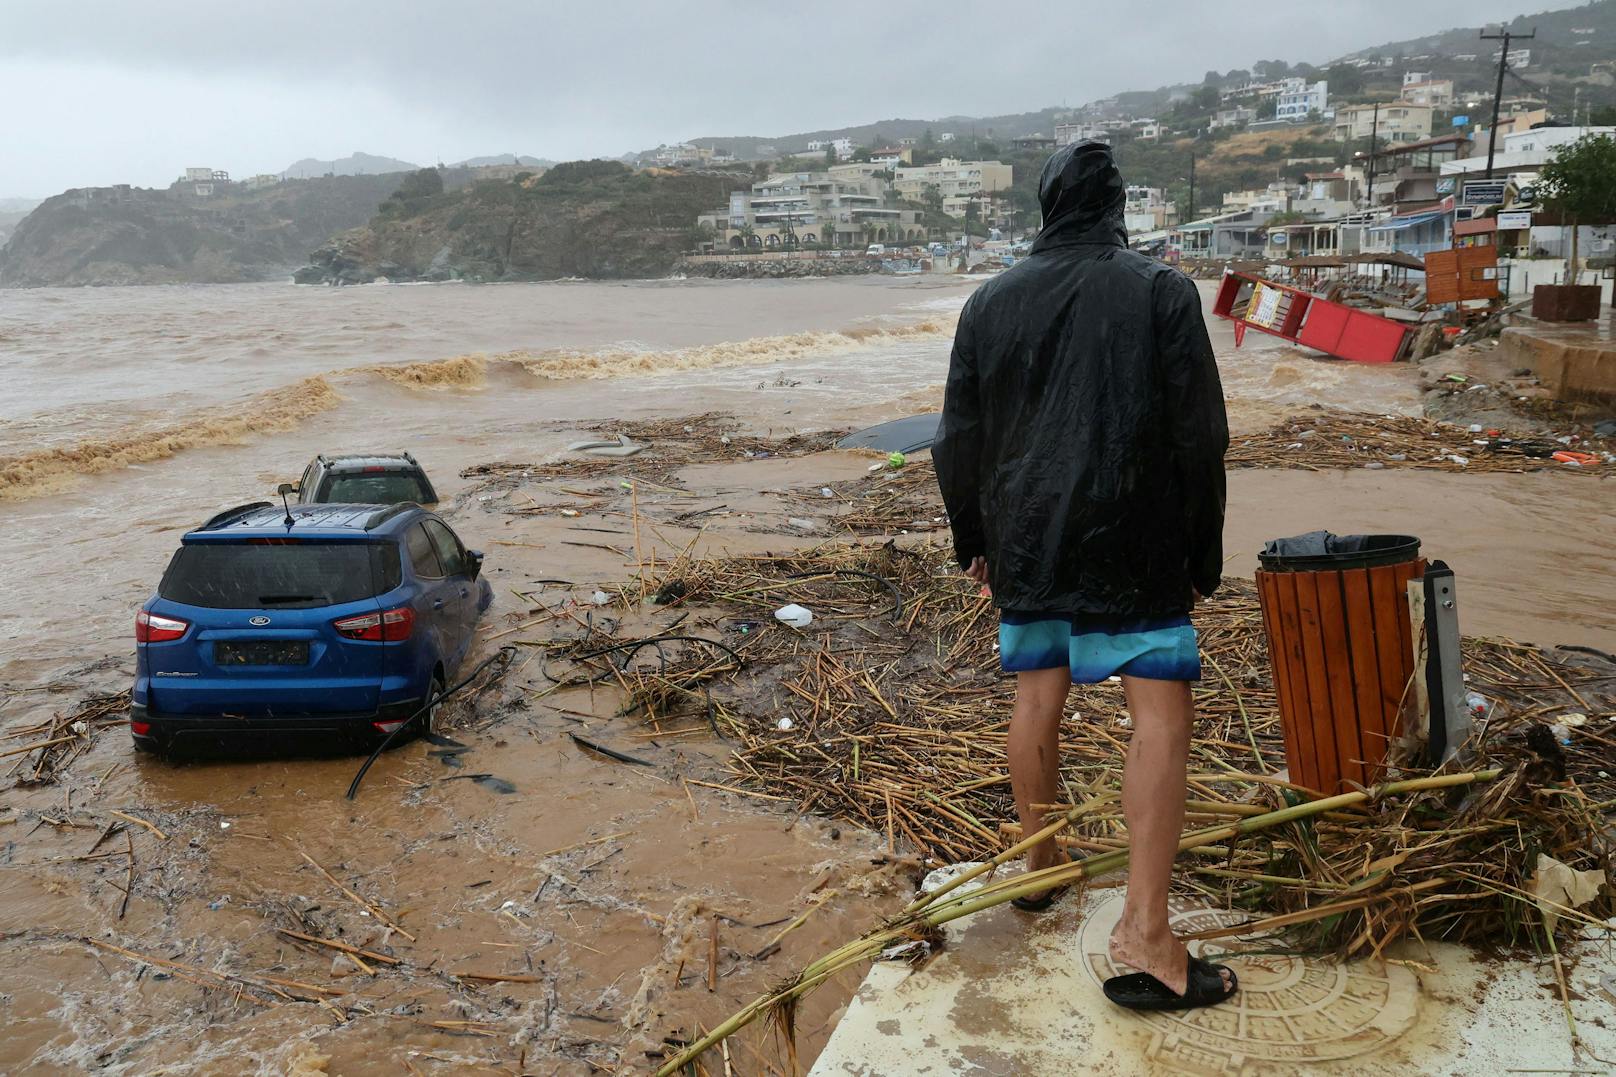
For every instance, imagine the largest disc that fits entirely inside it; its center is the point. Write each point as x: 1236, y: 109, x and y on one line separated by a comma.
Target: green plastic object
x: 896, y: 460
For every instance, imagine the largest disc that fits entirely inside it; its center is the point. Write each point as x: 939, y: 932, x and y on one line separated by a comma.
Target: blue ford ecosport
x: 327, y: 620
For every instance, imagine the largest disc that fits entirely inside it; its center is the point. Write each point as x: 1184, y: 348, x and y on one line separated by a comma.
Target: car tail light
x: 139, y: 729
x: 155, y: 628
x: 388, y: 626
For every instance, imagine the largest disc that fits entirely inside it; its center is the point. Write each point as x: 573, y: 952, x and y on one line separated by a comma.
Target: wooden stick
x: 40, y: 744
x: 497, y: 977
x: 139, y: 822
x: 355, y: 898
x: 352, y: 951
x: 712, y: 953
x: 129, y: 884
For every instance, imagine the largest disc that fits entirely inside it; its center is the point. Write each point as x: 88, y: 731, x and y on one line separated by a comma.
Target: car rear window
x: 279, y: 574
x: 375, y: 488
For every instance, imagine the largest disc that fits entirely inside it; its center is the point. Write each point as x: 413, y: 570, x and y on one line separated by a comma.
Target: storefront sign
x: 1515, y: 219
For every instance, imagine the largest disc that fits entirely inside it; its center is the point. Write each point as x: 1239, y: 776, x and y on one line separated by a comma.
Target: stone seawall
x: 768, y: 269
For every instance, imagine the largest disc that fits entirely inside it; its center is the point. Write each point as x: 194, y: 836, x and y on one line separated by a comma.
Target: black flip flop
x: 1202, y: 987
x: 1026, y: 904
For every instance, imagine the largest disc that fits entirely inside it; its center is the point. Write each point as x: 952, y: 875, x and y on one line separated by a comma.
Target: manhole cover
x: 1290, y: 1010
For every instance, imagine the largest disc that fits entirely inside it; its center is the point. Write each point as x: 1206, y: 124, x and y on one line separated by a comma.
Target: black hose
x: 1596, y: 652
x: 897, y: 596
x: 634, y: 645
x: 505, y: 653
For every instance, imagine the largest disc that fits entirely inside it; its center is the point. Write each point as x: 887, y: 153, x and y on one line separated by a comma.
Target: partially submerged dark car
x: 365, y: 479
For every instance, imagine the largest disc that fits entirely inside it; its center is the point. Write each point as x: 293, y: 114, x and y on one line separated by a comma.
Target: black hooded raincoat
x: 1083, y: 431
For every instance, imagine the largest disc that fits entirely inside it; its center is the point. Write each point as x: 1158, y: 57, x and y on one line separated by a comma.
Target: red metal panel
x: 1351, y: 334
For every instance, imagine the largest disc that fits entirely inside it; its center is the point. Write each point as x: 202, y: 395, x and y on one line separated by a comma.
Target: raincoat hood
x: 1082, y: 197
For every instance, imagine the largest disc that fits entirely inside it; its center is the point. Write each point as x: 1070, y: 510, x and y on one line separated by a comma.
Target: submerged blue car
x: 316, y: 624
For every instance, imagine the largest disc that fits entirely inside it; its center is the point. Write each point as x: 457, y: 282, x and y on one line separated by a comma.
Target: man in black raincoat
x: 1081, y: 461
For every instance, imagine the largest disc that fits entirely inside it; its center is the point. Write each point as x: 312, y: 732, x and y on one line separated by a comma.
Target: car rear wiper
x: 277, y: 600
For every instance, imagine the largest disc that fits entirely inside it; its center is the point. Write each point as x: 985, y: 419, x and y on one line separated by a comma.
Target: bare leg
x: 1033, y: 745
x: 1153, y: 792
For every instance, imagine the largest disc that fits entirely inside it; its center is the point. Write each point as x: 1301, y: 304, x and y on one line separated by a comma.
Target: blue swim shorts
x: 1098, y: 646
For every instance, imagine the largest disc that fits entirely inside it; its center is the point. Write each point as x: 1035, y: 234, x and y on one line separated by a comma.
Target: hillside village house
x: 846, y: 205
x: 958, y: 181
x: 1299, y: 99
x: 1238, y: 116
x: 842, y: 146
x: 1420, y: 88
x: 1068, y: 133
x: 1398, y: 121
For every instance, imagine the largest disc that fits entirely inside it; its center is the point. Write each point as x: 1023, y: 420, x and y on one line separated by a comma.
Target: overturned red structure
x: 1297, y: 315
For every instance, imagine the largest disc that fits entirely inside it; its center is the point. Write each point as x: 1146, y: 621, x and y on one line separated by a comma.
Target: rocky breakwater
x: 592, y: 219
x: 748, y: 268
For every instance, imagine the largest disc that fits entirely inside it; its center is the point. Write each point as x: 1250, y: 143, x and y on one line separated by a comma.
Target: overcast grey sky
x: 133, y: 91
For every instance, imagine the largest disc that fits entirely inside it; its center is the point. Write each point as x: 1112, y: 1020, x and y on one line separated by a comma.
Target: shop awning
x: 1397, y: 224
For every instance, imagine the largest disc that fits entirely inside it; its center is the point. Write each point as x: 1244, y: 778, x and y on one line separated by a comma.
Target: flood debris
x: 901, y: 727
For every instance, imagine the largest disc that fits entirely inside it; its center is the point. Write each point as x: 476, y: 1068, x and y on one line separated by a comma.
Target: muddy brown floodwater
x: 572, y: 924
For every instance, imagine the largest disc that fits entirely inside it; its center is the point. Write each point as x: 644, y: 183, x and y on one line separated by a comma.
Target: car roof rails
x: 230, y: 515
x: 388, y: 513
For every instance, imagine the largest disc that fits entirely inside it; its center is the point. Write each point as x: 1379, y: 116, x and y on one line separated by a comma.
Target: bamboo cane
x: 938, y: 909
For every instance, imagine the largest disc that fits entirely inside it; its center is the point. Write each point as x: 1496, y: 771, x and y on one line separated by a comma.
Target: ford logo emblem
x: 259, y: 621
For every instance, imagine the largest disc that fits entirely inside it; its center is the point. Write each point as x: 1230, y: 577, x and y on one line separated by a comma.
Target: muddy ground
x: 599, y: 909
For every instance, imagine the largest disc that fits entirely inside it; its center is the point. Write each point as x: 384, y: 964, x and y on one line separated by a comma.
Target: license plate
x: 267, y: 652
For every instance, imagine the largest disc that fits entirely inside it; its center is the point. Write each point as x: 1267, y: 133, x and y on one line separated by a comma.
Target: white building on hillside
x: 842, y: 146
x: 1299, y: 99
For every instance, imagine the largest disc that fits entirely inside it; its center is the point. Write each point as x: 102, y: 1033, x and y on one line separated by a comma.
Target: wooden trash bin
x: 1340, y: 644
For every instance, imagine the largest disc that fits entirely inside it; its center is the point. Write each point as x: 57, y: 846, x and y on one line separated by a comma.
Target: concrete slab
x: 1576, y: 360
x: 1014, y: 993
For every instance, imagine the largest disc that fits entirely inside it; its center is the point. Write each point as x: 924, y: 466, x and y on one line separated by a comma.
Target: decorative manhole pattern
x: 1289, y: 1010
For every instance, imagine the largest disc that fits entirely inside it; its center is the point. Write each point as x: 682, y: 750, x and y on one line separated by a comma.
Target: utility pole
x: 1498, y: 92
x: 1192, y: 188
x: 1374, y: 130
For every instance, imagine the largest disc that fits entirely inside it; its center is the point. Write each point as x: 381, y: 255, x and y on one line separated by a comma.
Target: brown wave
x: 460, y: 372
x: 596, y: 365
x: 29, y: 474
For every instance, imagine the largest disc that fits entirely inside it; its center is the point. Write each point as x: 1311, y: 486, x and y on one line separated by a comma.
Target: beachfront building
x: 958, y: 181
x: 1147, y: 210
x: 844, y: 206
x: 1395, y: 121
x: 1300, y: 99
x: 1408, y: 176
x: 1225, y: 237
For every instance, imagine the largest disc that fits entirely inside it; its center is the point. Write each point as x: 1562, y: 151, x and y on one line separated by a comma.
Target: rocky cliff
x: 189, y: 233
x: 581, y: 219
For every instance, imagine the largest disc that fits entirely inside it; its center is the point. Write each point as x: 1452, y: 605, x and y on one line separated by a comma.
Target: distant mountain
x: 174, y: 235
x: 505, y: 159
x: 355, y: 164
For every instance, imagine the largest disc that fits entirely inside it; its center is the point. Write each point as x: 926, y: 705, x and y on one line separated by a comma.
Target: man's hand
x: 978, y: 570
